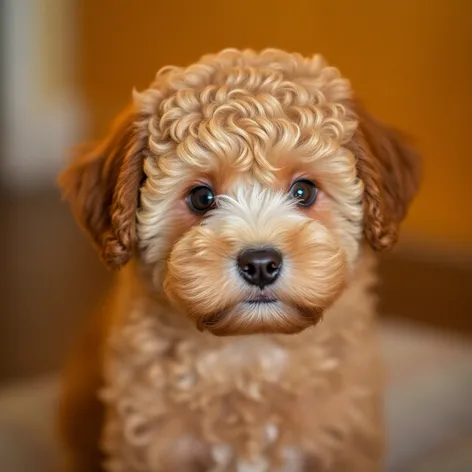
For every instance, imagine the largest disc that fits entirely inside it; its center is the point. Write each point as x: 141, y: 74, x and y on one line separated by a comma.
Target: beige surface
x: 428, y: 398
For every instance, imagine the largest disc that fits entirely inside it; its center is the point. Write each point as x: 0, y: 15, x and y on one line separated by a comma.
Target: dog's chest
x: 242, y: 397
x: 251, y: 360
x: 185, y: 371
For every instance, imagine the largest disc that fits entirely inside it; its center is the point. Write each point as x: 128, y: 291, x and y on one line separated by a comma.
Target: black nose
x: 260, y: 267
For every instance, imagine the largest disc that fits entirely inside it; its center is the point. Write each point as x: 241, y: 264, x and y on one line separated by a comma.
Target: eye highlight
x: 304, y: 191
x: 201, y: 199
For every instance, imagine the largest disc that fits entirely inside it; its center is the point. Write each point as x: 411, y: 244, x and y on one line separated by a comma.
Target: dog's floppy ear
x: 390, y: 170
x: 102, y: 185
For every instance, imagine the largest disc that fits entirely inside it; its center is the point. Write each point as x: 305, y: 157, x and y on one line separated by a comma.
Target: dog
x: 243, y: 198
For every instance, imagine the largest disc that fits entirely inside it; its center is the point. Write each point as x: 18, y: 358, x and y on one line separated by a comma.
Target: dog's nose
x: 260, y: 267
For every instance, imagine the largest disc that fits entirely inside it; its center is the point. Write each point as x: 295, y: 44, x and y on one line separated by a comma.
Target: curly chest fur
x: 258, y: 403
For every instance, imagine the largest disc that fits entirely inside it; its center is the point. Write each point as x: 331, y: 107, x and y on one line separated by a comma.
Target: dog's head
x: 247, y: 183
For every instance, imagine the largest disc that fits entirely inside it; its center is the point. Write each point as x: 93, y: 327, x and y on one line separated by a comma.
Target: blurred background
x: 68, y: 66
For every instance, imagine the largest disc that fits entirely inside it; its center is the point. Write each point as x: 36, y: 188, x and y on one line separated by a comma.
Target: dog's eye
x: 304, y: 191
x: 201, y: 199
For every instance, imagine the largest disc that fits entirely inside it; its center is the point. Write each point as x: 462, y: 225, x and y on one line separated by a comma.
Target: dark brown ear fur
x: 102, y: 185
x: 390, y: 171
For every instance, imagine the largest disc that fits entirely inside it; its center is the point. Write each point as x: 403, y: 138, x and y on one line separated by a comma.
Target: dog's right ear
x: 102, y: 186
x: 390, y: 169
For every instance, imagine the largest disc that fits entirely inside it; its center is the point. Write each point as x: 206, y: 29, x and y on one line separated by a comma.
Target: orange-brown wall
x: 410, y: 61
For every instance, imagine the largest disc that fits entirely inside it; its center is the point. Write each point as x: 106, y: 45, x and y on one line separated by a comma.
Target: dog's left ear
x: 390, y: 170
x: 102, y: 185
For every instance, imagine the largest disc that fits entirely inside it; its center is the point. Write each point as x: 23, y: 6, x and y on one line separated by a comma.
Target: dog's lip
x: 261, y: 299
x: 311, y: 314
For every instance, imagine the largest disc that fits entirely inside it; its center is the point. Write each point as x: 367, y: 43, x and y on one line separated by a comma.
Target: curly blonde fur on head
x: 249, y: 110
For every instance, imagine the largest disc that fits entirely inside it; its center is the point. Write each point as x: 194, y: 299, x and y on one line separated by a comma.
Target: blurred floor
x: 51, y: 278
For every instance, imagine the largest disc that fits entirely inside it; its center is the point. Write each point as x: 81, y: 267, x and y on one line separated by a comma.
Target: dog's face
x: 247, y: 183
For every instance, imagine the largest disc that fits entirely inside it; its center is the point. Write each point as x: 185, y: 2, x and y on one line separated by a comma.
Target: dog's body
x: 260, y: 181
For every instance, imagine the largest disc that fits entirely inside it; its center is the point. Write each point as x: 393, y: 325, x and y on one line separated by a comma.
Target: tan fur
x: 81, y: 413
x: 101, y: 184
x: 298, y: 389
x: 390, y: 170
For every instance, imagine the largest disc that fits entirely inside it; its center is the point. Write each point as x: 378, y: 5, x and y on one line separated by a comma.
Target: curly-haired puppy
x: 242, y: 196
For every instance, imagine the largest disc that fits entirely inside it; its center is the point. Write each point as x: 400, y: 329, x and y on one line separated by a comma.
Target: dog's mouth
x: 260, y: 314
x: 261, y: 300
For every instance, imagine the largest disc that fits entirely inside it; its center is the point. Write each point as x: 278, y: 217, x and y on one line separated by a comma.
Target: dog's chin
x: 255, y: 317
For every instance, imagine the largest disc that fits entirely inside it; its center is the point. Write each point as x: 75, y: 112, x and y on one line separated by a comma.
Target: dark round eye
x: 201, y: 199
x: 304, y: 191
